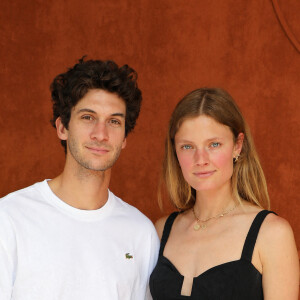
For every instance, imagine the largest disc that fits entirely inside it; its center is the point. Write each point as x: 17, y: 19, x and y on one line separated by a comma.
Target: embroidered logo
x: 128, y: 256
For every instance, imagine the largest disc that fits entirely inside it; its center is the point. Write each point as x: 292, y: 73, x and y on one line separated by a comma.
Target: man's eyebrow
x: 118, y: 115
x: 93, y: 112
x: 85, y: 110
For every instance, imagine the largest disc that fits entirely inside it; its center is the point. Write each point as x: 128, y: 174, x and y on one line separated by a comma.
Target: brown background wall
x: 176, y: 46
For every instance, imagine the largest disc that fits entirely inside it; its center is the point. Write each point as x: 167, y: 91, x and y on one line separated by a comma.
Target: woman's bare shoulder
x: 277, y: 223
x: 180, y: 220
x: 276, y: 239
x: 279, y: 258
x: 276, y: 229
x: 159, y: 225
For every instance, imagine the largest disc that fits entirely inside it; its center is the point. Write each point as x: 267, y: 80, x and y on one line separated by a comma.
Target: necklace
x: 197, y: 226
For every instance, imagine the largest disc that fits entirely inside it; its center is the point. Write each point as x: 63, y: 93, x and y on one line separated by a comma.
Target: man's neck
x: 82, y: 189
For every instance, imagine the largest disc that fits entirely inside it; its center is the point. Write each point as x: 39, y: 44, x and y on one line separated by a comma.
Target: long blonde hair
x: 248, y: 180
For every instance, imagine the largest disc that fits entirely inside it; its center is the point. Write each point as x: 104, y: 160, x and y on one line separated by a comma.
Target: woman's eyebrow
x: 208, y: 140
x: 214, y: 138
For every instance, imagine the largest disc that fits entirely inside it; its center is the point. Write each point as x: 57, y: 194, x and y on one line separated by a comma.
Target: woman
x: 222, y: 244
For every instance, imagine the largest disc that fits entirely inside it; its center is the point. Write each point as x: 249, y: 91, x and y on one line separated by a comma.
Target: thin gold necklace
x: 197, y: 226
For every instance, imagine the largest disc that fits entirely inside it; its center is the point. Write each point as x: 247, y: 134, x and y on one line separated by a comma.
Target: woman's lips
x: 204, y: 174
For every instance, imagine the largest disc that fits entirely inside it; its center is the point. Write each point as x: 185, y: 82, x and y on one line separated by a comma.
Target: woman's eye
x: 186, y: 147
x: 215, y: 145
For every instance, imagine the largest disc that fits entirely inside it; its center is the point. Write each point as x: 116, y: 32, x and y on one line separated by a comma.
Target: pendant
x: 196, y: 227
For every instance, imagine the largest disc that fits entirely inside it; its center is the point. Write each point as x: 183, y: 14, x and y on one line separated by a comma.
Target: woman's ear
x: 238, y: 145
x: 61, y: 130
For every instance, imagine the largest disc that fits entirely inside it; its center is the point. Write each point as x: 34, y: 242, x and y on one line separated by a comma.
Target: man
x: 70, y: 237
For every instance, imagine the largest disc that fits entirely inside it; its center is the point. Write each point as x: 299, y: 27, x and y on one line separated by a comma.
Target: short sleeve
x: 153, y: 259
x: 8, y: 260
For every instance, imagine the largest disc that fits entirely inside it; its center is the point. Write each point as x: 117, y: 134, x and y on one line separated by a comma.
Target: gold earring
x: 235, y: 159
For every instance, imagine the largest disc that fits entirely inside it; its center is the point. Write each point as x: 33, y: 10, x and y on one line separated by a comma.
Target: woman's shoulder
x: 160, y: 224
x: 278, y: 255
x: 275, y: 227
x: 276, y: 239
x: 275, y: 230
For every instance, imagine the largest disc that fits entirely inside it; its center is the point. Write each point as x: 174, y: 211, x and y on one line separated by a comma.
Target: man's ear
x: 124, y: 143
x: 61, y: 130
x: 238, y: 144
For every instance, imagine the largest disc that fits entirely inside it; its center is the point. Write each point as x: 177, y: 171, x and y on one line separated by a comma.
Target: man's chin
x: 98, y: 168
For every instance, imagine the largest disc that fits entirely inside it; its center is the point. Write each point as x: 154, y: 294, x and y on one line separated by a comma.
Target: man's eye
x: 87, y: 117
x: 215, y: 145
x: 115, y: 122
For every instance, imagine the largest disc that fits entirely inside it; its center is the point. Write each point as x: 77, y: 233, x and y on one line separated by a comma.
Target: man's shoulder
x: 135, y: 223
x: 131, y: 213
x: 17, y: 197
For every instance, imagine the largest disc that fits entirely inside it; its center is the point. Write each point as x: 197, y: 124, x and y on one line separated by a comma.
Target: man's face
x: 96, y: 133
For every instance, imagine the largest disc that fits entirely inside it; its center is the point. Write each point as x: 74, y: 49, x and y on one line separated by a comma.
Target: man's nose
x: 100, y: 131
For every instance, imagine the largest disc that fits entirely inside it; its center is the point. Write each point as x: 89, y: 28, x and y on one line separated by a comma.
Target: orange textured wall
x: 176, y: 46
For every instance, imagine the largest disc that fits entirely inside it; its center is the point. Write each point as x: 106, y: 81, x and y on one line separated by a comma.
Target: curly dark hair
x: 69, y: 87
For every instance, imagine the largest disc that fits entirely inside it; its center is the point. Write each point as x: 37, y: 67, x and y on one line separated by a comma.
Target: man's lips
x: 204, y: 174
x: 98, y: 150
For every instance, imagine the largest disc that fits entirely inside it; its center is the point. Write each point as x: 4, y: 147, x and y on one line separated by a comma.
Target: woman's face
x: 205, y: 151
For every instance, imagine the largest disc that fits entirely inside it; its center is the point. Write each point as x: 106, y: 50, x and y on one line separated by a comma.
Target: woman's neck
x: 213, y: 202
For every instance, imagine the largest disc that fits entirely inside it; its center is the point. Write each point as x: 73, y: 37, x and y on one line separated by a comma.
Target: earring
x: 235, y: 159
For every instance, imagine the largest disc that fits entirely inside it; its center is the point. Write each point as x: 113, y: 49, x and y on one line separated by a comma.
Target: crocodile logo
x: 128, y: 256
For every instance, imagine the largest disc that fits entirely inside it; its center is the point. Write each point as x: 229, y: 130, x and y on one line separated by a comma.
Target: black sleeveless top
x: 234, y: 280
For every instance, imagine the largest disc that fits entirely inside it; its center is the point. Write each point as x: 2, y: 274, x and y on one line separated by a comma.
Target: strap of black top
x: 166, y: 232
x: 253, y: 233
